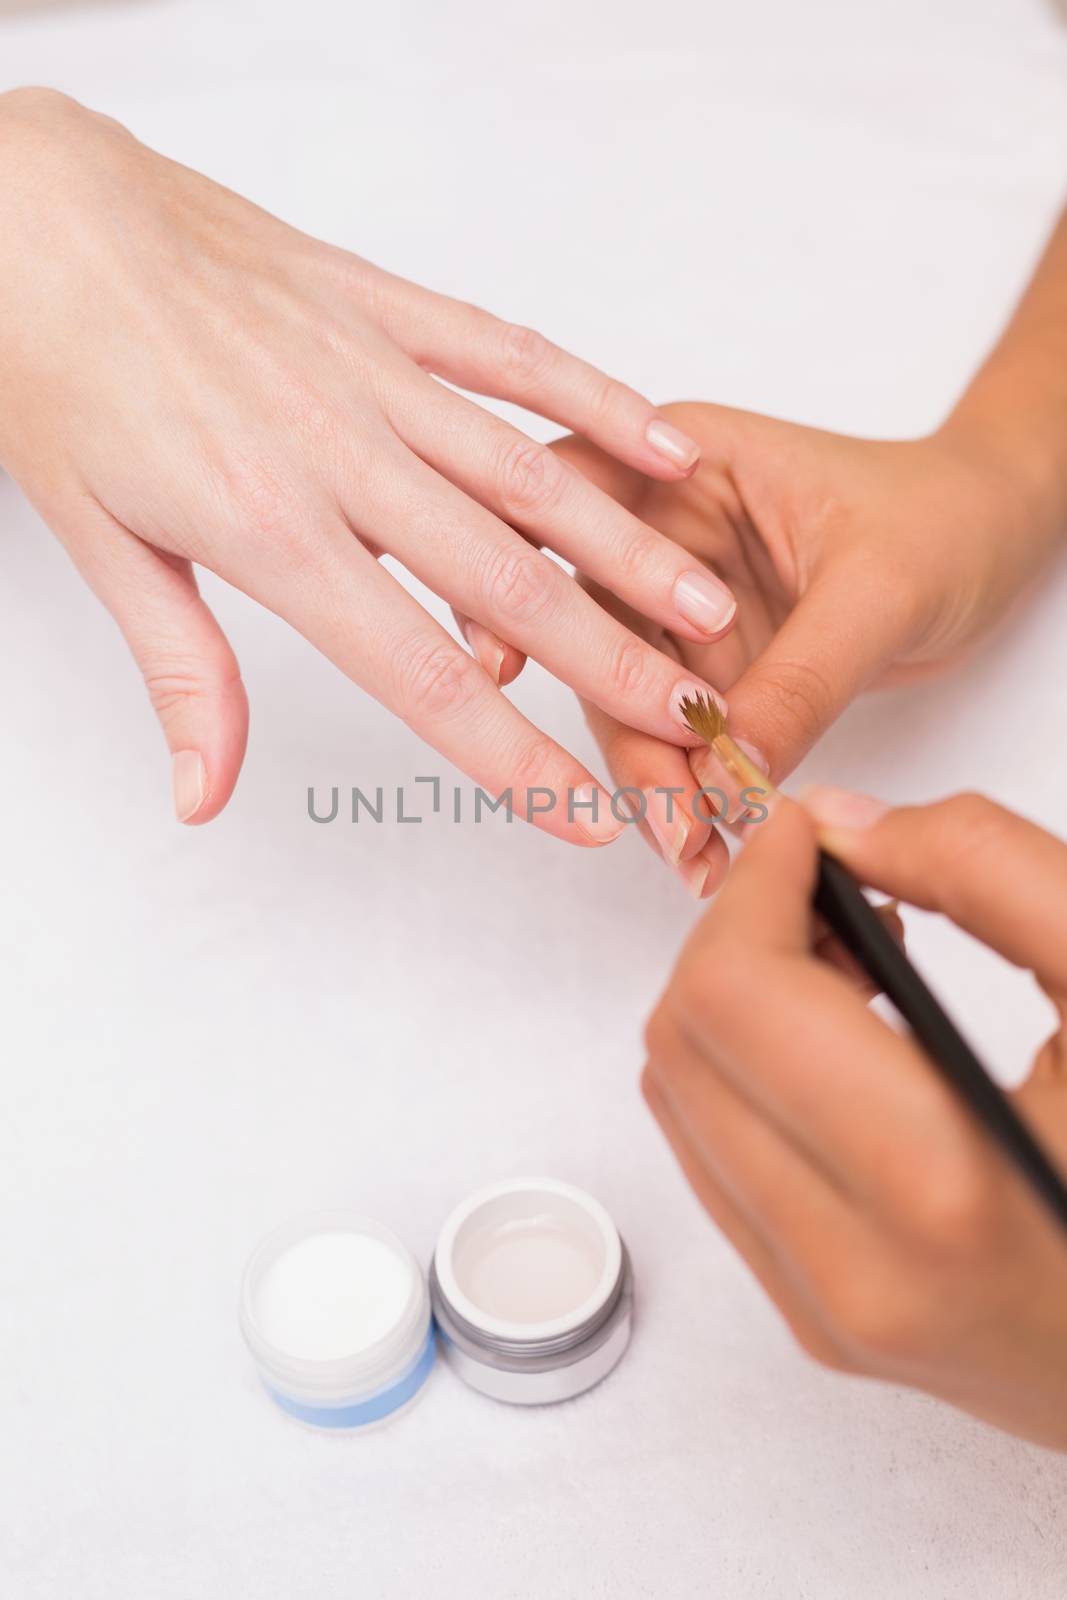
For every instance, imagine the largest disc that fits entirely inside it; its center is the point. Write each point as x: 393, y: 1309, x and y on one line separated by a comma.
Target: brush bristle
x: 704, y: 716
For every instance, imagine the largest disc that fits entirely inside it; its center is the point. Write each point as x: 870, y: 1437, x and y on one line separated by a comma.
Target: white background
x: 822, y: 210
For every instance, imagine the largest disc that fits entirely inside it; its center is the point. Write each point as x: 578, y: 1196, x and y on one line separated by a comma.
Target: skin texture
x: 855, y: 563
x: 891, y: 1234
x: 187, y: 380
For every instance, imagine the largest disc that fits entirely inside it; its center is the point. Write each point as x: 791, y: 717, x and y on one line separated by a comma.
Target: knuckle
x: 821, y: 1347
x: 627, y: 667
x: 877, y: 1322
x: 971, y: 821
x: 260, y: 499
x: 714, y: 987
x: 659, y: 1036
x: 521, y: 585
x: 969, y: 829
x: 635, y: 558
x: 302, y: 407
x: 530, y: 478
x: 172, y: 687
x: 951, y: 1209
x: 649, y: 1081
x: 607, y: 400
x: 537, y: 765
x: 439, y: 680
x: 797, y: 700
x: 526, y: 353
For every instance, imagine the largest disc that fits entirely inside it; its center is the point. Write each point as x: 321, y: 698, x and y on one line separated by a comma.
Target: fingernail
x: 841, y: 808
x: 701, y: 599
x: 487, y: 647
x: 591, y: 810
x: 757, y: 757
x: 690, y: 691
x: 672, y: 444
x: 694, y: 874
x: 668, y: 822
x: 189, y: 778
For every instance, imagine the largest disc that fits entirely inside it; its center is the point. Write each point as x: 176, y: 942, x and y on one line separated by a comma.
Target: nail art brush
x: 845, y: 909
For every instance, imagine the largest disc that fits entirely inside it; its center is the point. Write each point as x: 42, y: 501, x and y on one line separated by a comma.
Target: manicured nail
x: 690, y: 691
x: 487, y: 647
x: 668, y: 822
x: 841, y: 808
x: 757, y: 758
x: 189, y: 777
x: 701, y: 599
x: 694, y: 874
x: 599, y: 824
x: 672, y: 444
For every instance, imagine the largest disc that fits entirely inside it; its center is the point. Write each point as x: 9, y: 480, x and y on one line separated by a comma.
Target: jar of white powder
x: 336, y: 1314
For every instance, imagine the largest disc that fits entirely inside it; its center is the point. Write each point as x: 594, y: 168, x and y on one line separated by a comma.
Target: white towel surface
x: 820, y: 210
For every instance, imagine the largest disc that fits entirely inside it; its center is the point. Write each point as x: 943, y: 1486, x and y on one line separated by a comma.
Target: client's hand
x: 854, y: 563
x: 185, y: 379
x: 890, y: 1231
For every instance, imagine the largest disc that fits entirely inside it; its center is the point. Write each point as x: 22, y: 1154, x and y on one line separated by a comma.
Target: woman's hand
x: 890, y: 1231
x: 854, y: 563
x: 184, y: 378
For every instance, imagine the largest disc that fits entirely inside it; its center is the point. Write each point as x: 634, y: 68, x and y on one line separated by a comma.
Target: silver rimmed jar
x: 532, y: 1291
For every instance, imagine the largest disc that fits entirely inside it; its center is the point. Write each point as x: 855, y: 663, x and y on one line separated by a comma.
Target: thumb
x: 843, y: 631
x: 189, y: 669
x: 996, y: 875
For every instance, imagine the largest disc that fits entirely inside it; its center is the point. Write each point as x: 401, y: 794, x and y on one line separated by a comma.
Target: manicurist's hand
x: 890, y: 1232
x: 854, y: 562
x: 185, y: 379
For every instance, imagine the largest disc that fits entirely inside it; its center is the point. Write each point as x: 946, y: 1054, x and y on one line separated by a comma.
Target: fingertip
x: 706, y: 605
x: 189, y: 784
x: 210, y: 742
x: 502, y: 661
x: 671, y: 452
x: 511, y: 665
x: 706, y: 872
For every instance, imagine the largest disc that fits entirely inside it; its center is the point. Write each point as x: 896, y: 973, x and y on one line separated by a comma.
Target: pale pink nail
x: 487, y: 647
x: 672, y: 444
x: 701, y: 599
x: 602, y: 827
x: 189, y: 777
x: 757, y: 757
x: 842, y: 808
x: 668, y: 822
x: 694, y: 874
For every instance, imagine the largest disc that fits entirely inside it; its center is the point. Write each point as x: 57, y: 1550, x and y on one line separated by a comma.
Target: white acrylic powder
x: 332, y: 1295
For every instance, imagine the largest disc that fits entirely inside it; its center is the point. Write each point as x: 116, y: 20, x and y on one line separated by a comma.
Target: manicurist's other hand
x: 891, y: 1233
x: 854, y: 562
x: 185, y: 379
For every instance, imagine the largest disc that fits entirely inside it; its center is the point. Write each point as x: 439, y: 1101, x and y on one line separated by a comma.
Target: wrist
x: 1013, y: 438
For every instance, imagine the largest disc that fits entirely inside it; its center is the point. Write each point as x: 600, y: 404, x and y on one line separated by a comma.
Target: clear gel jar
x: 336, y: 1313
x: 532, y: 1291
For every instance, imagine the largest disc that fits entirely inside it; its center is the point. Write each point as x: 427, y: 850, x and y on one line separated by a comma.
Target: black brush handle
x: 841, y: 902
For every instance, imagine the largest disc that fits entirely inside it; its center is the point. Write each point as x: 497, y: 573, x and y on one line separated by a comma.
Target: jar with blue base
x: 336, y: 1313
